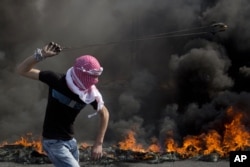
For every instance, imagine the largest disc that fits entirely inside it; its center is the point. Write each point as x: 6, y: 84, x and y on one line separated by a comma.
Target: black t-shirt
x: 62, y: 108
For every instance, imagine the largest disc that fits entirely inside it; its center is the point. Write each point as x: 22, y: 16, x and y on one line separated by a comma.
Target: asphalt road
x: 185, y: 163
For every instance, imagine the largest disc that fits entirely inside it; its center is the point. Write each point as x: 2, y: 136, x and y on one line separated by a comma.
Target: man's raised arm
x: 26, y: 67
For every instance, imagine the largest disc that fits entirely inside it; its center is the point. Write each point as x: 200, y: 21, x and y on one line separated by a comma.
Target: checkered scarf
x: 82, y: 77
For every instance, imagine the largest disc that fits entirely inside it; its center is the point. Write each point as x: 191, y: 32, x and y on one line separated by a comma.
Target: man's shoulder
x: 50, y: 74
x: 50, y: 77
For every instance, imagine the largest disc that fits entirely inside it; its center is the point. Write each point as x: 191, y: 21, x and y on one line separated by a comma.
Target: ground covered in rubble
x: 19, y: 156
x: 184, y: 163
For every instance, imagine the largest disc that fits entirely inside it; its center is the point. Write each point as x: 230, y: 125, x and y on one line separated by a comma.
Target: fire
x: 194, y: 145
x: 213, y: 143
x: 27, y: 141
x: 84, y: 145
x: 154, y: 147
x: 130, y: 143
x: 191, y: 146
x: 234, y: 137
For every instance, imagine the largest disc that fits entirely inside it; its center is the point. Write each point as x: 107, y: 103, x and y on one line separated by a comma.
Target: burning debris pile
x: 26, y: 150
x: 210, y: 146
x: 234, y: 137
x: 22, y: 154
x: 29, y: 155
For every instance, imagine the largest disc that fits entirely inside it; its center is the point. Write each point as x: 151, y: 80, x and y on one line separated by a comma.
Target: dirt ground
x: 185, y: 163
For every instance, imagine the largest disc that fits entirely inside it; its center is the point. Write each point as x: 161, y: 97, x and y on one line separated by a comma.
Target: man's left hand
x: 96, y: 153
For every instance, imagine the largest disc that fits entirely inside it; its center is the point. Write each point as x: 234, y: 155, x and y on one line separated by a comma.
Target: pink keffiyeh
x: 82, y: 77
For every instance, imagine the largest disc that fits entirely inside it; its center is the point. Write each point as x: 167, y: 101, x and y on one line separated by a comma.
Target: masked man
x: 69, y: 93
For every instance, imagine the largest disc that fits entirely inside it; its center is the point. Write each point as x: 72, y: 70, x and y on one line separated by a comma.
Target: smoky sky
x: 181, y: 84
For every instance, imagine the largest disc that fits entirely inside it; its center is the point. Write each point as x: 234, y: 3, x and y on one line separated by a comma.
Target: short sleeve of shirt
x: 49, y: 77
x: 57, y: 81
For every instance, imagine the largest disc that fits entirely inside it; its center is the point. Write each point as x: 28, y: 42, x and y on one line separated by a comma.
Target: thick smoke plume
x: 181, y: 84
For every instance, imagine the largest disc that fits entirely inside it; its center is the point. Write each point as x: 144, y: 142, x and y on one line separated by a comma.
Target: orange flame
x: 130, y: 143
x: 154, y: 147
x: 191, y: 146
x: 84, y: 145
x: 27, y: 141
x: 213, y: 143
x: 235, y: 137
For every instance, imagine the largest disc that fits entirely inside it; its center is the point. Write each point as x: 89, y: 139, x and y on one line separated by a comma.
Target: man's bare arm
x: 104, y: 119
x: 104, y: 115
x: 26, y: 67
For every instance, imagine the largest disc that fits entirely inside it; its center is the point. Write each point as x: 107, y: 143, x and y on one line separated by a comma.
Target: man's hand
x: 96, y: 152
x: 51, y: 49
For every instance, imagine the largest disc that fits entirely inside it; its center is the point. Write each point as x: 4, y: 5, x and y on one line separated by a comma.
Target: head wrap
x: 82, y: 77
x: 85, y: 71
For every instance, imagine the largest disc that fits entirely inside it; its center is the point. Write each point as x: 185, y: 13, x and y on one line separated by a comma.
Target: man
x: 68, y: 94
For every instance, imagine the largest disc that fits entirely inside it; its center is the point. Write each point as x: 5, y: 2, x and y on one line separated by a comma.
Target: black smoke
x: 182, y: 84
